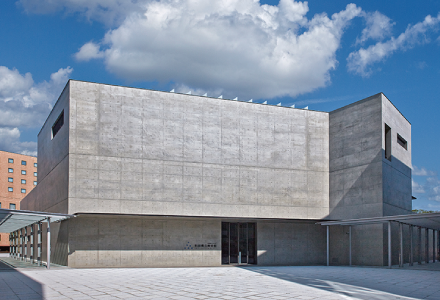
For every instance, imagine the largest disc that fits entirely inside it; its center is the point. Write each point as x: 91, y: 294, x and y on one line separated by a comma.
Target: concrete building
x: 18, y: 176
x: 166, y: 179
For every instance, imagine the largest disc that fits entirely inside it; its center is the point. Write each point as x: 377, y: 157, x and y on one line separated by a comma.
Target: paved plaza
x: 311, y: 282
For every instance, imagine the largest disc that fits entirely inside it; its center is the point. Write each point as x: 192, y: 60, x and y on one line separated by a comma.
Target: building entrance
x: 238, y: 243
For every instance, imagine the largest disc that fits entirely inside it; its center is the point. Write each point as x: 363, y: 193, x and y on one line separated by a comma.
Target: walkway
x: 221, y: 283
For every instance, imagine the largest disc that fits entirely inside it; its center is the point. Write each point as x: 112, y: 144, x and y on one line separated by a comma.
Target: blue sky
x: 321, y: 54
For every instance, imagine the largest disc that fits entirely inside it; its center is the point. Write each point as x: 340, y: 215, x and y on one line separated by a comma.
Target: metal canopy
x: 431, y: 220
x: 12, y: 220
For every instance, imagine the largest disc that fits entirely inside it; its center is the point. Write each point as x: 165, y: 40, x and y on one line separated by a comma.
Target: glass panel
x: 225, y: 243
x: 233, y: 243
x: 252, y: 256
x: 243, y: 240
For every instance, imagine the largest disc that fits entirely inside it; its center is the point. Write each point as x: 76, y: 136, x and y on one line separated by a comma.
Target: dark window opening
x: 402, y: 142
x: 58, y: 124
x: 387, y: 142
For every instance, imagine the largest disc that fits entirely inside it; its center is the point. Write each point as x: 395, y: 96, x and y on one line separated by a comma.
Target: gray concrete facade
x: 128, y: 161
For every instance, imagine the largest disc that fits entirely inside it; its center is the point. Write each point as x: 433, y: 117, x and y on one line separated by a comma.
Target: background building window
x: 10, y: 170
x: 35, y: 165
x: 35, y: 174
x: 23, y: 162
x: 10, y: 189
x: 23, y: 181
x: 10, y: 179
x: 11, y: 206
x: 10, y: 160
x: 35, y: 183
x: 0, y: 205
x: 23, y: 191
x: 23, y: 172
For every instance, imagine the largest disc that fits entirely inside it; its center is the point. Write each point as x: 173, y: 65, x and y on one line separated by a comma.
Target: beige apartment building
x: 18, y: 176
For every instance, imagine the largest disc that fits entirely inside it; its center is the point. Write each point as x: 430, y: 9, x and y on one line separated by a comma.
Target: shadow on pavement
x: 355, y: 282
x: 16, y: 285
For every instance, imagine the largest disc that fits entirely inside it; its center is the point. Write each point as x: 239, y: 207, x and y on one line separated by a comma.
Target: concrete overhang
x: 12, y: 220
x: 429, y: 220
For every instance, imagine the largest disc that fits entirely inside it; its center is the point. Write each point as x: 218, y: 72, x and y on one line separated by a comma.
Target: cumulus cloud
x: 239, y: 46
x: 430, y: 188
x: 89, y: 51
x: 378, y: 27
x: 24, y: 103
x: 109, y: 12
x: 360, y: 60
x: 10, y: 141
x: 422, y: 172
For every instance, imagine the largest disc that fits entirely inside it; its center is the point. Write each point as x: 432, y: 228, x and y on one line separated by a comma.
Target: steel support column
x: 427, y: 245
x: 328, y: 245
x: 10, y: 244
x: 32, y: 234
x: 411, y: 250
x: 25, y: 244
x: 433, y: 246
x: 39, y: 242
x: 48, y: 243
x: 401, y: 245
x: 389, y: 245
x: 349, y: 249
x: 22, y: 244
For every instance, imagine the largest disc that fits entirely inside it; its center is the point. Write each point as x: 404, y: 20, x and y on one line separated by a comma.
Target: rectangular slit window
x: 387, y: 142
x: 58, y: 124
x: 402, y: 142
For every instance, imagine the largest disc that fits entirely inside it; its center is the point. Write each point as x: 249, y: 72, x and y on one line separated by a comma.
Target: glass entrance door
x: 238, y: 243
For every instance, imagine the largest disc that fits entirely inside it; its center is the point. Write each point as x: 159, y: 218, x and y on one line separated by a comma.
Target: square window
x: 23, y: 162
x: 35, y: 174
x: 35, y: 183
x: 10, y: 160
x: 12, y: 206
x: 23, y: 181
x: 23, y: 191
x: 10, y: 179
x: 10, y: 170
x: 23, y: 172
x: 10, y: 189
x: 402, y: 142
x: 35, y: 165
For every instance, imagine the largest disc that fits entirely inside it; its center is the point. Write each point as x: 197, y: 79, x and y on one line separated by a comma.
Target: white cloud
x: 89, y: 51
x: 24, y: 103
x: 10, y: 141
x: 108, y: 12
x: 422, y: 172
x: 378, y: 27
x: 417, y: 188
x: 239, y: 46
x: 359, y: 61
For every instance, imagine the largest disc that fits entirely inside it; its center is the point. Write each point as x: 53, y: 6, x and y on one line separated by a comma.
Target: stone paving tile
x: 221, y: 283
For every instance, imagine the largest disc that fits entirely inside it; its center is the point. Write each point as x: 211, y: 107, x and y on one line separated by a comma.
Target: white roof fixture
x: 236, y: 98
x: 189, y: 93
x: 265, y: 102
x: 205, y: 95
x: 220, y: 97
x: 279, y: 104
x: 292, y: 106
x: 172, y: 91
x: 250, y: 100
x: 306, y: 107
